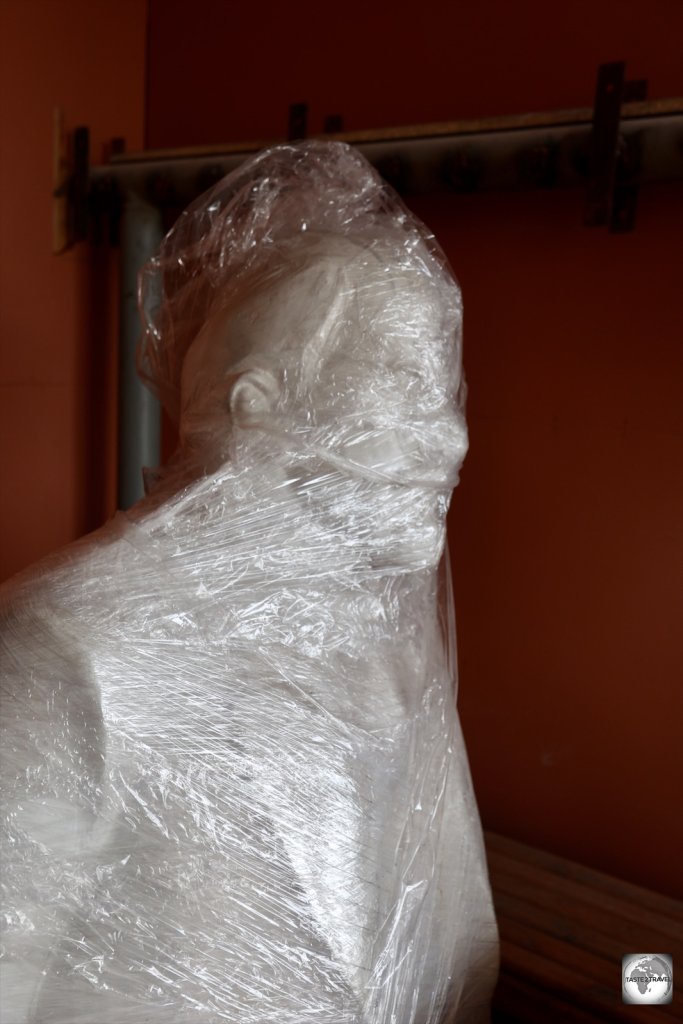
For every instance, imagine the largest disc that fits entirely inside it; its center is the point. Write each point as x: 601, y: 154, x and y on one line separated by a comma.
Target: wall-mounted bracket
x: 333, y: 124
x: 79, y: 184
x: 71, y: 184
x: 297, y: 125
x: 60, y: 183
x: 613, y: 162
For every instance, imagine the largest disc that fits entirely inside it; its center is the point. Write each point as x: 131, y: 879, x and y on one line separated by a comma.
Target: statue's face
x: 249, y: 361
x: 331, y: 340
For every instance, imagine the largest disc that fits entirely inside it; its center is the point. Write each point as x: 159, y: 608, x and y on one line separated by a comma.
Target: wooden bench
x: 564, y: 929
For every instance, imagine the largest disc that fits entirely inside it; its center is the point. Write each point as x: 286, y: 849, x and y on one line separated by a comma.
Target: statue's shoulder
x: 62, y: 584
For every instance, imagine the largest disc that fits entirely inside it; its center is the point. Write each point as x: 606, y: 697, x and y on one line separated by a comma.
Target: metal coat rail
x: 609, y: 151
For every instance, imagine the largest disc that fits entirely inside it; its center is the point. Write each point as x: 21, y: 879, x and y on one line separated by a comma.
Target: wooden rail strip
x: 512, y: 910
x: 584, y: 962
x: 522, y: 1002
x: 580, y: 873
x: 631, y: 933
x: 601, y: 999
x: 514, y: 872
x: 564, y: 929
x: 519, y: 1002
x: 479, y: 126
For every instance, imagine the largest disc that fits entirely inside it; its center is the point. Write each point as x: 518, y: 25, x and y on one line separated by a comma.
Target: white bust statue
x: 235, y: 788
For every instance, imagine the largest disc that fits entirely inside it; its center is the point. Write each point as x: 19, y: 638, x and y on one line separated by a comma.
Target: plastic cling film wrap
x: 234, y: 784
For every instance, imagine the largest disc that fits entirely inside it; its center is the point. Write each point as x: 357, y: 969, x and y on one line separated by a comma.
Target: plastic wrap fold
x: 234, y: 783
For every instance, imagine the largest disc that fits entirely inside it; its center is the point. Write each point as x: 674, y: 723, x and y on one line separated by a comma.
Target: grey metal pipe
x: 139, y: 425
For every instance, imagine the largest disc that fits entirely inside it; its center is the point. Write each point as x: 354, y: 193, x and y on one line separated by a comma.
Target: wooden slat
x: 602, y: 999
x: 633, y: 933
x: 572, y: 891
x: 512, y: 910
x: 564, y: 929
x: 633, y: 894
x: 518, y: 1002
x: 582, y: 962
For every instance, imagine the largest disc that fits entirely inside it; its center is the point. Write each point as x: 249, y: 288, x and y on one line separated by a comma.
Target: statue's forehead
x: 299, y: 279
x: 322, y: 301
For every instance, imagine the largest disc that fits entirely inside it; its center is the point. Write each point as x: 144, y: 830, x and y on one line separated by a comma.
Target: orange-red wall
x: 566, y: 530
x: 58, y: 313
x: 566, y: 527
x: 566, y: 524
x: 225, y: 71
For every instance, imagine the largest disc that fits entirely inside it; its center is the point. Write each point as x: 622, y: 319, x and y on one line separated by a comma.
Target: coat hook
x: 297, y: 127
x: 613, y: 166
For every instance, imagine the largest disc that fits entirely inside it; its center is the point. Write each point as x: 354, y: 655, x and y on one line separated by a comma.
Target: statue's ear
x: 253, y: 396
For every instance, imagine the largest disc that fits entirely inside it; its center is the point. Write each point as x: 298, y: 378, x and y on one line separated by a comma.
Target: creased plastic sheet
x: 234, y: 783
